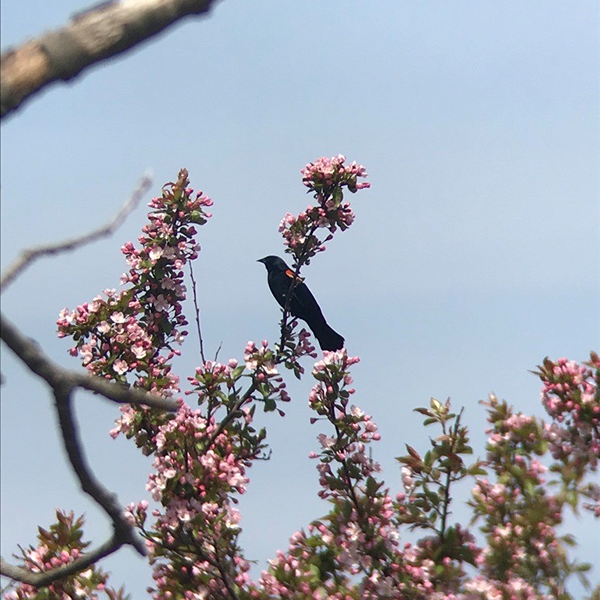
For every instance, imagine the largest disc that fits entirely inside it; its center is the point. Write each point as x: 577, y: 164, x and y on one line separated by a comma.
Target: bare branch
x: 124, y: 532
x: 29, y: 255
x: 92, y: 486
x: 121, y: 394
x: 63, y: 383
x: 60, y: 379
x: 94, y: 35
x: 77, y: 566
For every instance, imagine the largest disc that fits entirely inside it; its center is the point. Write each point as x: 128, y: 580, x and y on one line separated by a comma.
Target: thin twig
x: 197, y: 309
x: 218, y: 350
x: 29, y: 255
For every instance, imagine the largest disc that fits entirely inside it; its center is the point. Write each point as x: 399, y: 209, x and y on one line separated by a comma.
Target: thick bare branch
x: 29, y: 255
x: 92, y: 36
x: 63, y: 383
x: 59, y: 378
x: 92, y: 486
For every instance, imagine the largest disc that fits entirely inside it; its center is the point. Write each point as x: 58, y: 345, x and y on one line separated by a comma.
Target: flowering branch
x: 60, y: 565
x: 326, y: 179
x: 45, y: 578
x: 571, y: 396
x: 200, y: 455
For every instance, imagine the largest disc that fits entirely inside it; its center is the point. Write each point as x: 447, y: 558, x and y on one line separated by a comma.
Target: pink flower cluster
x: 340, y: 559
x: 330, y: 399
x: 447, y: 555
x: 325, y: 174
x: 266, y: 380
x: 61, y: 544
x: 333, y: 376
x: 195, y: 483
x: 134, y: 330
x: 213, y: 382
x: 326, y: 177
x: 571, y: 395
x: 42, y: 559
x: 516, y: 588
x: 520, y: 514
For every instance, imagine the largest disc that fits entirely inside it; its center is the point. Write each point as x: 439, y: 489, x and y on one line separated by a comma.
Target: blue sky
x: 473, y: 256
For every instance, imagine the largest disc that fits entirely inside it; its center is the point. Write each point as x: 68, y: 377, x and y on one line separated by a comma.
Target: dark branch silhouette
x: 63, y: 383
x: 60, y: 379
x: 77, y: 566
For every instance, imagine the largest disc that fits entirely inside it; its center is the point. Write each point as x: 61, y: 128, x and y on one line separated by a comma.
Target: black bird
x: 302, y: 304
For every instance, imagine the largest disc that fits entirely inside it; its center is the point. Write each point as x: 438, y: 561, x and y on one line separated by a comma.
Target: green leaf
x: 237, y: 372
x: 437, y: 406
x: 270, y: 405
x: 423, y: 411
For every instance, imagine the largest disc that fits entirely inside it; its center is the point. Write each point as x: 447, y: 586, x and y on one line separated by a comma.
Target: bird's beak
x: 261, y: 260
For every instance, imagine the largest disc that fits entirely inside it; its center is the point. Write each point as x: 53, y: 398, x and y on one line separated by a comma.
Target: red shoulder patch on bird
x: 291, y: 275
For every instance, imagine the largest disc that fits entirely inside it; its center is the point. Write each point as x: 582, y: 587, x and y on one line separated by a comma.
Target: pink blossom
x: 120, y: 367
x: 155, y: 253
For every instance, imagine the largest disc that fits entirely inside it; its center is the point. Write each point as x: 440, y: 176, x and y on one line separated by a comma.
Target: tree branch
x: 123, y: 530
x: 47, y: 577
x: 29, y: 255
x: 91, y: 36
x: 60, y: 379
x: 197, y: 310
x: 63, y: 383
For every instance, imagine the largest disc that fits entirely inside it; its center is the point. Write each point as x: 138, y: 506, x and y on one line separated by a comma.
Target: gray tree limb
x: 63, y: 384
x: 77, y: 566
x: 61, y: 380
x: 92, y: 36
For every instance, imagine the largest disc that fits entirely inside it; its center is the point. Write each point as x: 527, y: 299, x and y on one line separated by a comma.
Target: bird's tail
x: 328, y: 338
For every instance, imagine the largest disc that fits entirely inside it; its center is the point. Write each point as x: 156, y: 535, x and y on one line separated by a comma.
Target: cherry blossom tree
x: 203, y: 449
